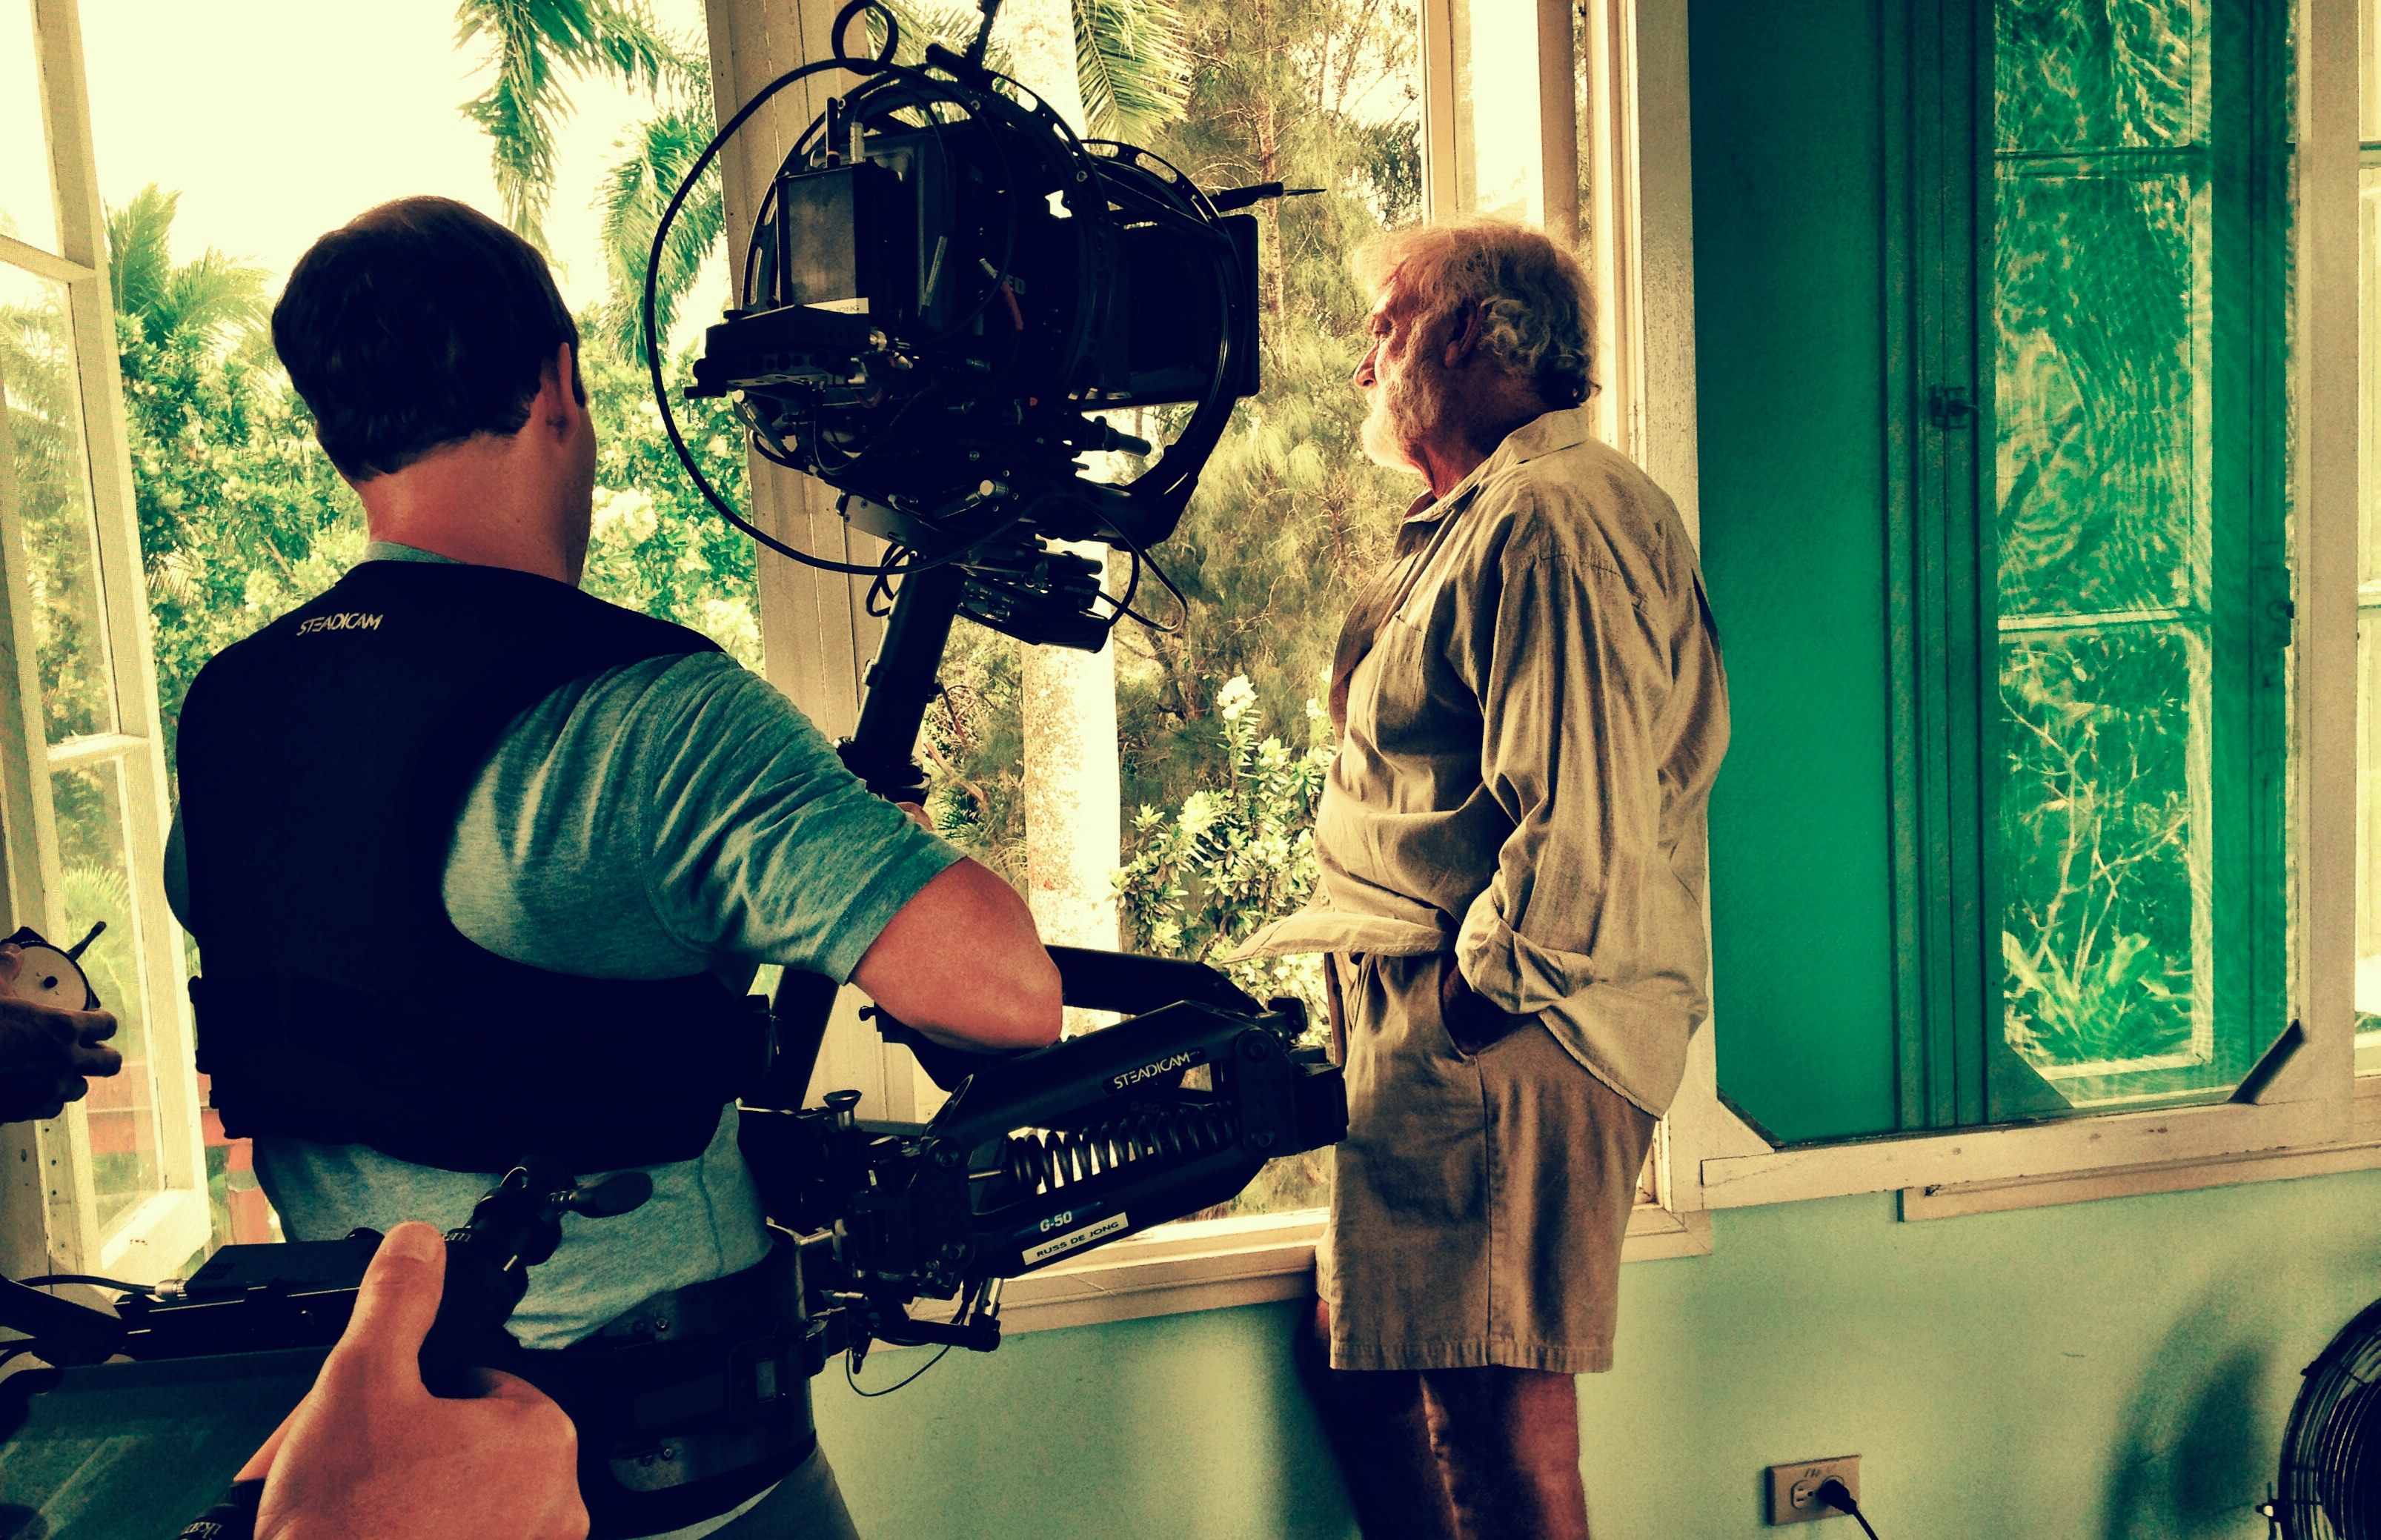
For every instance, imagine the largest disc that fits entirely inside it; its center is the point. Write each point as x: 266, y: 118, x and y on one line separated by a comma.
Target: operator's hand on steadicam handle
x: 47, y: 1055
x: 370, y: 1454
x: 1472, y: 1022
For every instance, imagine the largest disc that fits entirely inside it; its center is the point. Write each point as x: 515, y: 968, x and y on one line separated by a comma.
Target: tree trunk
x: 1073, y: 820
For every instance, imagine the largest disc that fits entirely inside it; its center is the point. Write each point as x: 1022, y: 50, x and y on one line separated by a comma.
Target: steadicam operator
x: 481, y: 867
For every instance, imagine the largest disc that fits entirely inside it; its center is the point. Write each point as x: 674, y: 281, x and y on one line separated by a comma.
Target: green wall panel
x: 1789, y: 284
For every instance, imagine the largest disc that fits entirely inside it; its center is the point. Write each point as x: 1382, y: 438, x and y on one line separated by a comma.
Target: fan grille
x: 2331, y: 1451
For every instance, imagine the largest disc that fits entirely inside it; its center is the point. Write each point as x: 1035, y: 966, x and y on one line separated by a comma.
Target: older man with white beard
x: 1531, y: 709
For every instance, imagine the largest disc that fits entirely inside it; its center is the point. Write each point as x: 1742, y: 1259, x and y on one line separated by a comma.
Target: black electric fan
x: 2330, y: 1483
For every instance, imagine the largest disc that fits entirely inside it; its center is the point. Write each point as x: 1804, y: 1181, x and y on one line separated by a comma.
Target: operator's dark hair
x: 418, y: 324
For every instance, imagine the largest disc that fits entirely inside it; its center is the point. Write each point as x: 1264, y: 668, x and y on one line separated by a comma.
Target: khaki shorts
x: 1478, y: 1202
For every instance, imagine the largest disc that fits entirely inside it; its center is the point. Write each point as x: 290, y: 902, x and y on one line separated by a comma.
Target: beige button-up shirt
x: 1531, y: 709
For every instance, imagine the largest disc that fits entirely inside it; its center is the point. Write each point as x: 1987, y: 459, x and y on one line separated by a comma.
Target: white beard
x: 1401, y: 408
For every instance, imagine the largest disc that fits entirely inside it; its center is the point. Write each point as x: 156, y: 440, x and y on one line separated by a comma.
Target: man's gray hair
x: 1540, y: 311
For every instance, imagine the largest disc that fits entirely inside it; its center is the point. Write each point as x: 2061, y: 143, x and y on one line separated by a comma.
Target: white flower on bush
x: 732, y: 624
x: 624, y: 517
x: 1199, y: 813
x: 1236, y: 697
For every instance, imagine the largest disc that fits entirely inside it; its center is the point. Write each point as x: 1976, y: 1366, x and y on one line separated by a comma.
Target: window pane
x: 2098, y: 75
x: 51, y: 487
x: 95, y: 888
x: 2137, y: 510
x: 1499, y: 157
x: 27, y: 210
x: 2100, y: 290
x: 2105, y: 921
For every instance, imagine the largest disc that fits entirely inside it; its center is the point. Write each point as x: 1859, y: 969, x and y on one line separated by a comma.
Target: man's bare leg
x: 1381, y: 1437
x: 1507, y: 1444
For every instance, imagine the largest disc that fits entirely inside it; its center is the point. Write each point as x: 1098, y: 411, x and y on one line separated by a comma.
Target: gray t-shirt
x: 661, y: 819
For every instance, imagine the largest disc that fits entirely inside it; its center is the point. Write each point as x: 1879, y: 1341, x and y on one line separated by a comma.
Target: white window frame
x: 2309, y: 1115
x: 48, y: 1213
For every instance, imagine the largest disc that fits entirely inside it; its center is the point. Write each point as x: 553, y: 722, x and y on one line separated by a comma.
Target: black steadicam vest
x: 323, y: 762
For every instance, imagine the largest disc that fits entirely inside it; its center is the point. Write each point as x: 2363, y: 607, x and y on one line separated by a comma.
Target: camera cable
x: 94, y: 1279
x: 853, y: 1380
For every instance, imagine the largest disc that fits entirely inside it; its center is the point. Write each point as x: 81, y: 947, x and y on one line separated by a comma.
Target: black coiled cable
x: 1042, y: 1162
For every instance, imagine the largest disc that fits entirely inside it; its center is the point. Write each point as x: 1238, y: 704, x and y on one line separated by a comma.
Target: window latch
x: 1949, y: 408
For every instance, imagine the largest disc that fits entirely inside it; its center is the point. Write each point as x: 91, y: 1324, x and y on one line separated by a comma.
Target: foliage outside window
x: 2137, y: 229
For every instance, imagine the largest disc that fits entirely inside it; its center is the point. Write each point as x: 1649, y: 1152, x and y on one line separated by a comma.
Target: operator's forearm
x: 963, y: 963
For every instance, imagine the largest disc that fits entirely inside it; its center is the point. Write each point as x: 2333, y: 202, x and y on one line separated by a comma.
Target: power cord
x: 1836, y: 1495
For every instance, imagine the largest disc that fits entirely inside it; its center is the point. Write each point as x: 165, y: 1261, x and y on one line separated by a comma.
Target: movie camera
x: 944, y: 290
x: 947, y: 298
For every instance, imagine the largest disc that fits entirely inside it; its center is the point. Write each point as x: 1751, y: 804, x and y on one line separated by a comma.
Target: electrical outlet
x: 1793, y: 1489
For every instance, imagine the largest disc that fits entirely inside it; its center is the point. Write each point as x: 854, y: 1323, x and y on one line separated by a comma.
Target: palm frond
x: 197, y: 304
x: 138, y: 262
x: 215, y: 294
x: 635, y: 193
x: 1131, y: 64
x: 531, y: 45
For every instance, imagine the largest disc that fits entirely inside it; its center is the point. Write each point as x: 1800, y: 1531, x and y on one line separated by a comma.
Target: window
x: 81, y: 776
x: 2087, y: 585
x: 2107, y: 692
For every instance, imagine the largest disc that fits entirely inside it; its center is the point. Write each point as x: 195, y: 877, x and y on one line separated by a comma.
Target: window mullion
x: 1935, y: 540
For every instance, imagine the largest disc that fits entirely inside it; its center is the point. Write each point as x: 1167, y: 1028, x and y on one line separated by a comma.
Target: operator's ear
x: 1467, y: 324
x: 561, y: 393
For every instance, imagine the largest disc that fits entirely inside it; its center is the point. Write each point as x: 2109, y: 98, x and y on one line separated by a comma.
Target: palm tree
x: 210, y: 302
x: 635, y: 193
x: 531, y: 44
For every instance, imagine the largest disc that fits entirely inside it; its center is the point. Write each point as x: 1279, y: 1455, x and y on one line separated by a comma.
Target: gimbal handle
x: 902, y: 681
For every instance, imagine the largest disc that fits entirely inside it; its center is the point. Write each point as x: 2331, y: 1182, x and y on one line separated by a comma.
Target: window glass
x: 27, y: 210
x: 2135, y: 683
x: 95, y: 889
x: 52, y: 495
x: 1499, y: 159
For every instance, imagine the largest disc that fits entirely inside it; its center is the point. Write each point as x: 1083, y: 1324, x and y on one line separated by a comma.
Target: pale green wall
x: 2117, y: 1369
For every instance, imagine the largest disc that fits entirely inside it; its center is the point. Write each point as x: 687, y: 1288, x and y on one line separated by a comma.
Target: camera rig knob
x: 516, y: 1227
